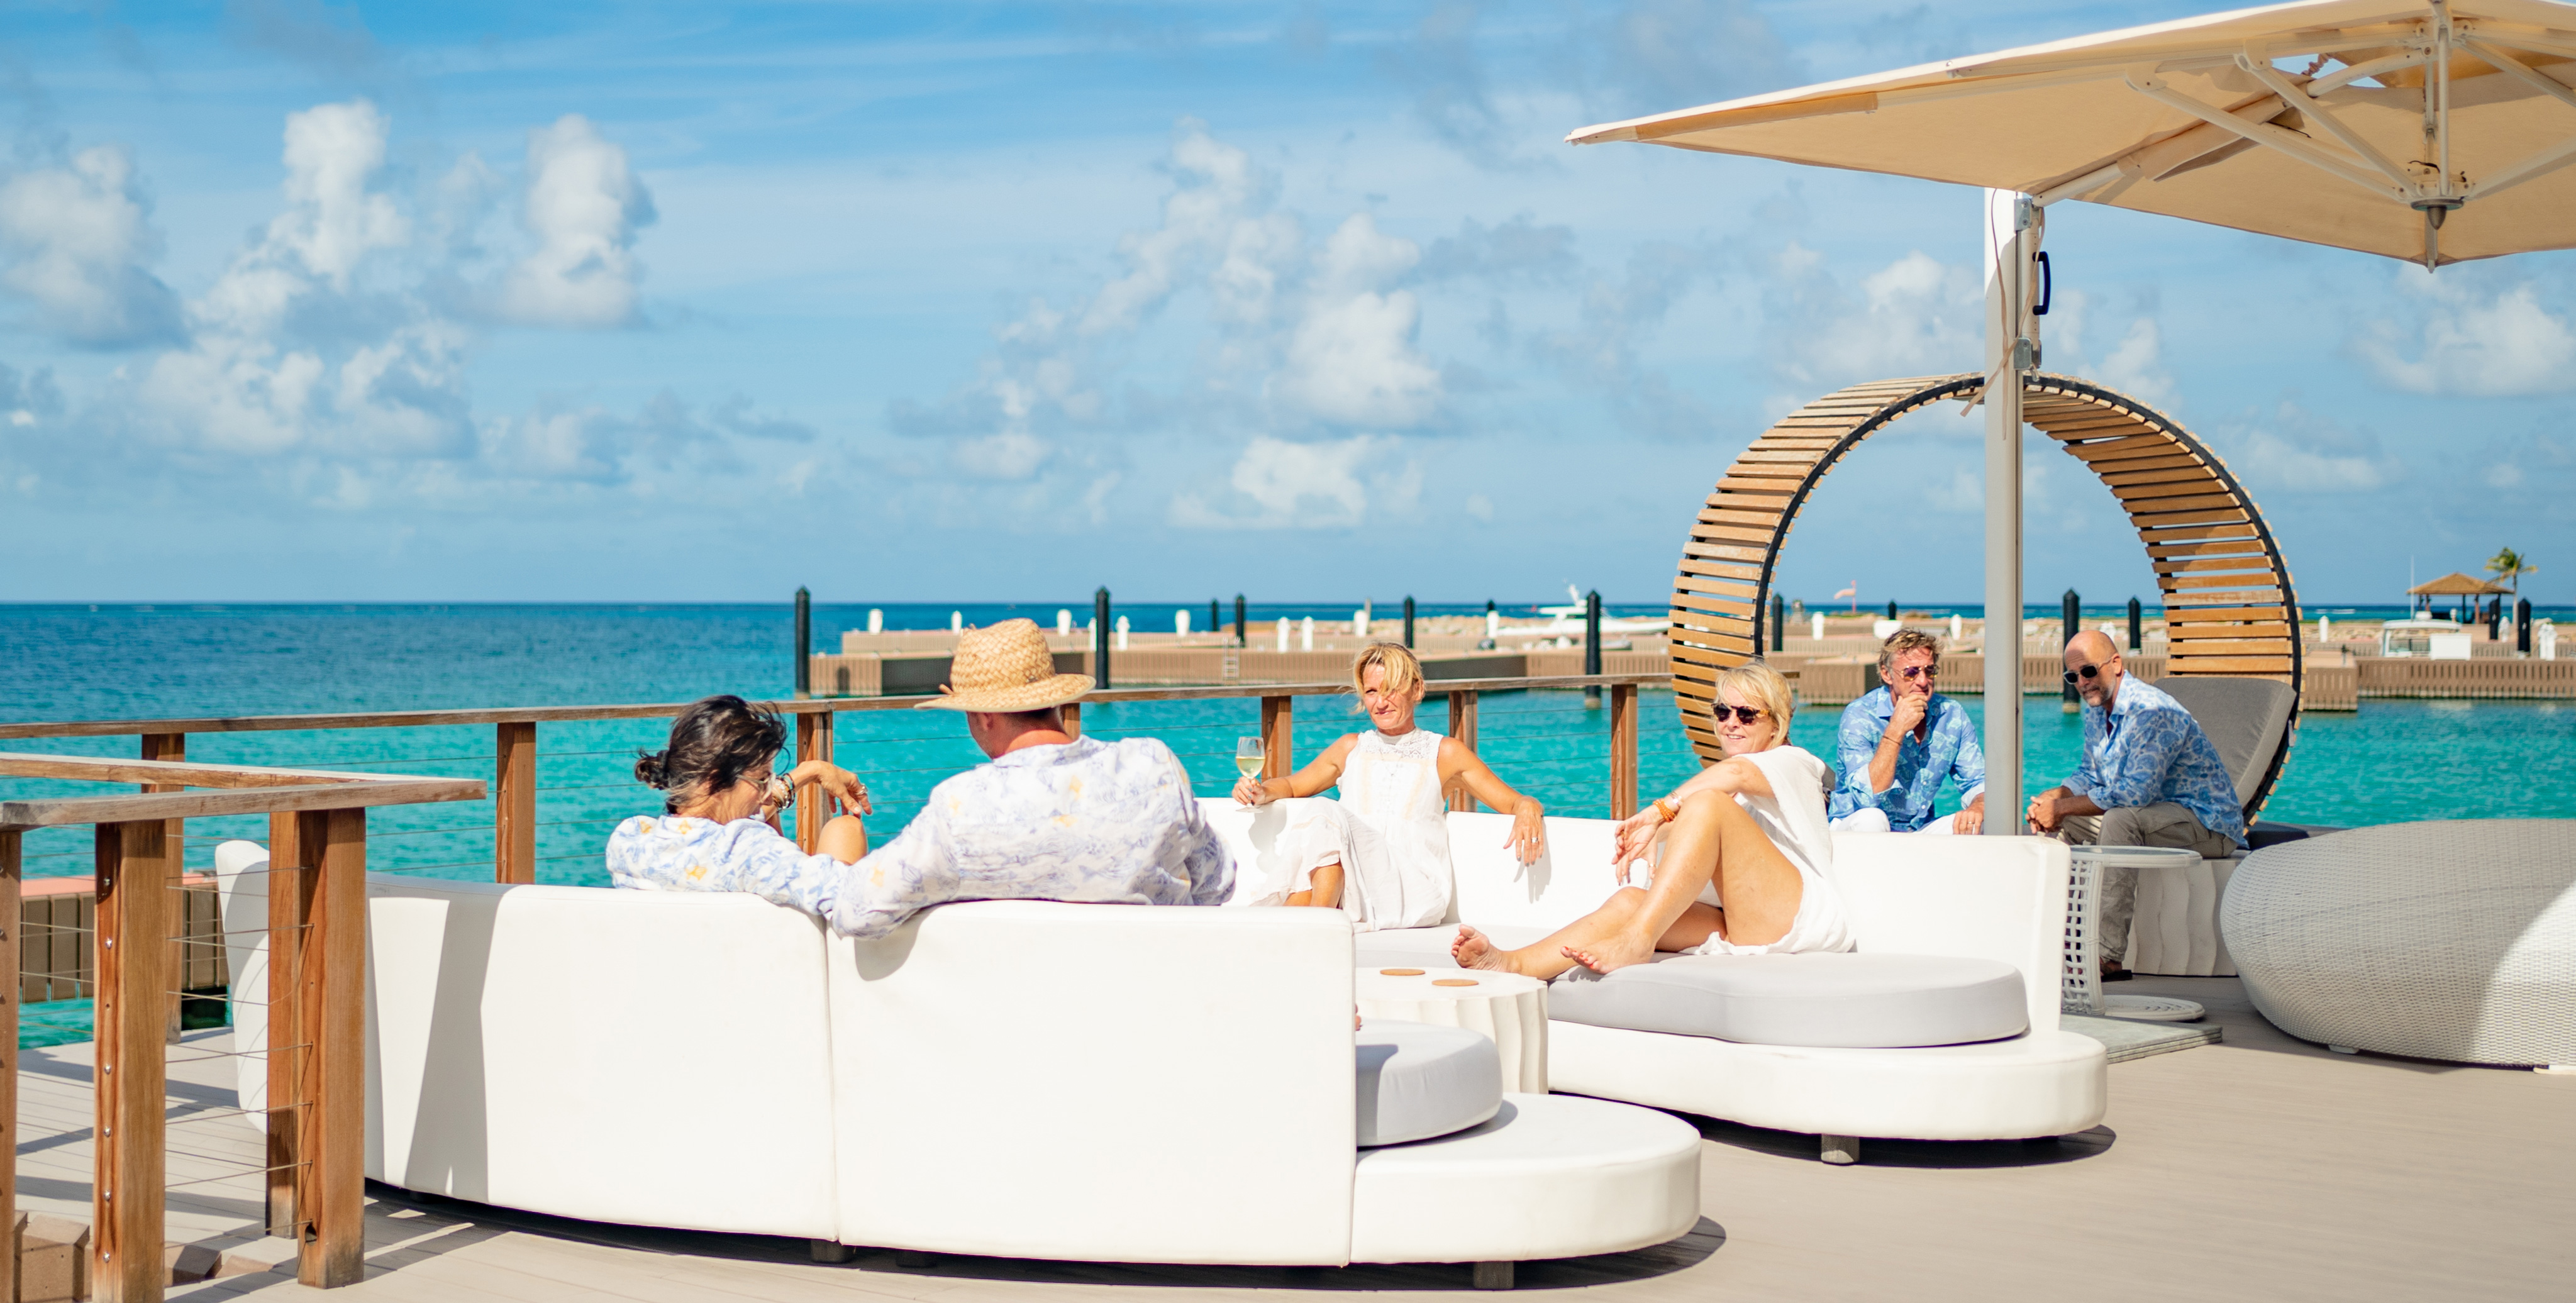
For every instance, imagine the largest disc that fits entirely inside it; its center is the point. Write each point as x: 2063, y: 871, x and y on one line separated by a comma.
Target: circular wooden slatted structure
x: 2229, y: 606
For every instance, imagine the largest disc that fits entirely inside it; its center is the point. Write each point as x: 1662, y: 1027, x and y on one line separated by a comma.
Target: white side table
x: 2175, y: 929
x: 1508, y: 1008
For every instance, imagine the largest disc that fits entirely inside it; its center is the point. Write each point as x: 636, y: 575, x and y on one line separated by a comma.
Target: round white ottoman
x: 1509, y: 1009
x: 2452, y: 940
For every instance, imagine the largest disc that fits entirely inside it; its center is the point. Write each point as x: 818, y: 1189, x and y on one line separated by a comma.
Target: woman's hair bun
x: 649, y: 769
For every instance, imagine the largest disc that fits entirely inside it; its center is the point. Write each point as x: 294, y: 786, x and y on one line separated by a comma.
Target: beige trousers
x: 2161, y: 824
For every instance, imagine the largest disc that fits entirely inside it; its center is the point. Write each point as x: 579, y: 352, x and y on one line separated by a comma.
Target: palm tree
x: 2508, y: 566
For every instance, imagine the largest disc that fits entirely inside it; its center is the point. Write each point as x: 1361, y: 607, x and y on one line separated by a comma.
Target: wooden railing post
x: 1278, y: 726
x: 813, y: 742
x: 172, y: 746
x: 514, y: 801
x: 133, y: 961
x: 332, y: 1124
x: 295, y: 844
x: 1462, y: 726
x: 10, y: 923
x: 1073, y: 719
x: 1623, y: 750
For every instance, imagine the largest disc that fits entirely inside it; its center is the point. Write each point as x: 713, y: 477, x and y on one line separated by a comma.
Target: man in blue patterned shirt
x: 1900, y: 741
x: 2149, y: 777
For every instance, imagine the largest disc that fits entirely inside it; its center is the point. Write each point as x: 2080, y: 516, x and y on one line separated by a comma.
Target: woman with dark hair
x: 719, y: 826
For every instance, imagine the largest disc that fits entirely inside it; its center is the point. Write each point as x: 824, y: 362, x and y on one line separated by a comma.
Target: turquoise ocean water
x: 2391, y: 761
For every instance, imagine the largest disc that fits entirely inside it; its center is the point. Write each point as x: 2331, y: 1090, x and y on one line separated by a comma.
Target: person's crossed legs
x: 2116, y: 892
x: 1711, y: 839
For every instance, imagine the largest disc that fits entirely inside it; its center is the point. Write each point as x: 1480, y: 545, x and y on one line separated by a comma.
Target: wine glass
x: 1248, y: 757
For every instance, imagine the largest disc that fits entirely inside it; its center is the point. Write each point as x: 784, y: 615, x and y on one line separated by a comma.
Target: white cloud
x: 2465, y: 342
x: 2297, y: 451
x: 333, y: 220
x: 78, y: 237
x: 1915, y: 316
x: 1006, y: 456
x: 1351, y: 360
x: 584, y: 205
x: 1277, y: 484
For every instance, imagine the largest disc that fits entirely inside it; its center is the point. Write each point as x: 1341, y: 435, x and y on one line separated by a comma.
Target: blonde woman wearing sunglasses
x: 1744, y: 854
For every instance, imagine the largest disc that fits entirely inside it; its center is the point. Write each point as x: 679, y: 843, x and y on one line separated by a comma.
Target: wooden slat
x: 2181, y: 664
x: 2135, y: 445
x: 2230, y: 647
x: 1462, y: 726
x: 2215, y: 614
x: 2156, y: 505
x: 1693, y: 579
x: 2182, y: 633
x: 1746, y: 560
x: 2179, y: 532
x: 2165, y: 515
x: 44, y: 812
x: 1278, y: 735
x: 1623, y: 752
x: 1732, y: 534
x: 1744, y: 519
x: 514, y: 787
x: 334, y: 970
x: 2149, y: 497
x: 12, y: 931
x: 295, y: 842
x: 1781, y: 487
x: 2244, y: 565
x: 1690, y: 601
x: 166, y: 775
x: 2150, y: 460
x: 133, y: 873
x: 2156, y: 475
x: 2248, y: 546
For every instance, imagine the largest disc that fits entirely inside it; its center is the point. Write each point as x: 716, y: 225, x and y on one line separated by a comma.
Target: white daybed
x: 2001, y: 900
x: 1019, y: 1079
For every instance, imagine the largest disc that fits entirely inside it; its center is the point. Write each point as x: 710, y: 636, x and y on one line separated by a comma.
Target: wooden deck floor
x: 2260, y: 1168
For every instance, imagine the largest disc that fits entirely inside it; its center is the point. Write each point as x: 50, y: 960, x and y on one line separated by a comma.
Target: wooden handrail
x: 168, y: 774
x: 820, y: 705
x: 61, y: 811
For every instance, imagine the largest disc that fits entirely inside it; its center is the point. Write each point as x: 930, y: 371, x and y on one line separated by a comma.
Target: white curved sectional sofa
x: 1979, y: 898
x: 1010, y: 1078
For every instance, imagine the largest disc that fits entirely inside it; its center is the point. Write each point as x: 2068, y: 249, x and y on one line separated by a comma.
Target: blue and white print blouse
x: 677, y: 852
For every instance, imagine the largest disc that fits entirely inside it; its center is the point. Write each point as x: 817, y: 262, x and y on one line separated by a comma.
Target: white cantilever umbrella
x: 2431, y: 133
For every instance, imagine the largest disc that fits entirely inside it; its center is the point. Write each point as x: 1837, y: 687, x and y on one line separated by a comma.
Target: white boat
x: 2440, y: 640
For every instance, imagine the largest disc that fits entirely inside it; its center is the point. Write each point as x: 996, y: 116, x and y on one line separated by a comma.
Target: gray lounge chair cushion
x: 2244, y: 719
x: 1844, y: 1000
x: 1418, y: 1081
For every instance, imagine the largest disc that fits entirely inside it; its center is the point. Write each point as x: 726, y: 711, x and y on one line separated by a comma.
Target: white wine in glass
x: 1247, y: 756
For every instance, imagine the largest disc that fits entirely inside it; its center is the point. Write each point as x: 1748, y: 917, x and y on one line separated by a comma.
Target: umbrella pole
x: 2012, y: 240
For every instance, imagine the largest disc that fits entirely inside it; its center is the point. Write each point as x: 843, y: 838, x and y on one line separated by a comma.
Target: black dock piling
x: 1779, y: 622
x: 2070, y: 610
x: 1100, y: 638
x: 1238, y: 621
x: 2137, y: 625
x: 804, y: 643
x: 1408, y: 621
x: 1592, y: 646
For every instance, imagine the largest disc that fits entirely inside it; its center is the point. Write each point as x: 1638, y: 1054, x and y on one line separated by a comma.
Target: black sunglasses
x: 1917, y: 671
x: 1743, y: 714
x: 2083, y: 672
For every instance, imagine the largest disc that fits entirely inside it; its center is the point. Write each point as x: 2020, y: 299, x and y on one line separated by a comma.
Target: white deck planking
x: 2262, y: 1167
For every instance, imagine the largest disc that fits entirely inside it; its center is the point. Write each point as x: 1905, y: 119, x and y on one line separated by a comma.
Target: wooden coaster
x: 1399, y: 972
x: 1453, y: 981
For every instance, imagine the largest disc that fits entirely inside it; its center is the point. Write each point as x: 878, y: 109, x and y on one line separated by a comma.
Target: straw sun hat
x: 1003, y: 669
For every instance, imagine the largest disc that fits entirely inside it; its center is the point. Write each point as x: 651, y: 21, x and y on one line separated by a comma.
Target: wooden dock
x: 2260, y: 1168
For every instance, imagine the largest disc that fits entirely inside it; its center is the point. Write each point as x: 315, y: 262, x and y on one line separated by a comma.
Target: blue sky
x: 989, y: 302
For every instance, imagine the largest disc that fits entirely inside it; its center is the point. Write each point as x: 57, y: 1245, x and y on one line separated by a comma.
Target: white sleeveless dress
x: 1793, y: 817
x: 1389, y: 830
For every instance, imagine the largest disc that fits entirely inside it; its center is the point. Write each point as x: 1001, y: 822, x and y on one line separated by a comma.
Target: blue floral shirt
x: 1090, y: 821
x: 2146, y: 749
x: 1947, y: 750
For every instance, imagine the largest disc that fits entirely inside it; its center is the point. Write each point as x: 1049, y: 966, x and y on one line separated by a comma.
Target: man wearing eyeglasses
x: 1899, y: 742
x: 2149, y: 777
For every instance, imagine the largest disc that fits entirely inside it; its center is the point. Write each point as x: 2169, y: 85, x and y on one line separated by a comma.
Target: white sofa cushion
x: 1850, y: 1000
x: 1551, y: 1176
x: 1417, y: 1081
x: 1102, y: 1083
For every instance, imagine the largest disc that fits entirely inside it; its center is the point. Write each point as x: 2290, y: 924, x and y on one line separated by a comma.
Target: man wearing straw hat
x: 1051, y: 817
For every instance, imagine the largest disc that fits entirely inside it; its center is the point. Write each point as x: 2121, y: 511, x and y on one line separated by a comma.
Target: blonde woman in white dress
x: 1745, y: 862
x: 1380, y: 853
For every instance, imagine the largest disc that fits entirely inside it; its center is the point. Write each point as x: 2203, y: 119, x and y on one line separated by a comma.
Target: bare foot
x: 1609, y: 956
x: 1473, y: 949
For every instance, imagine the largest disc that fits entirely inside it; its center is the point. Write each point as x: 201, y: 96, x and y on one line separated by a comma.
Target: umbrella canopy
x: 2456, y: 584
x: 2428, y: 132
